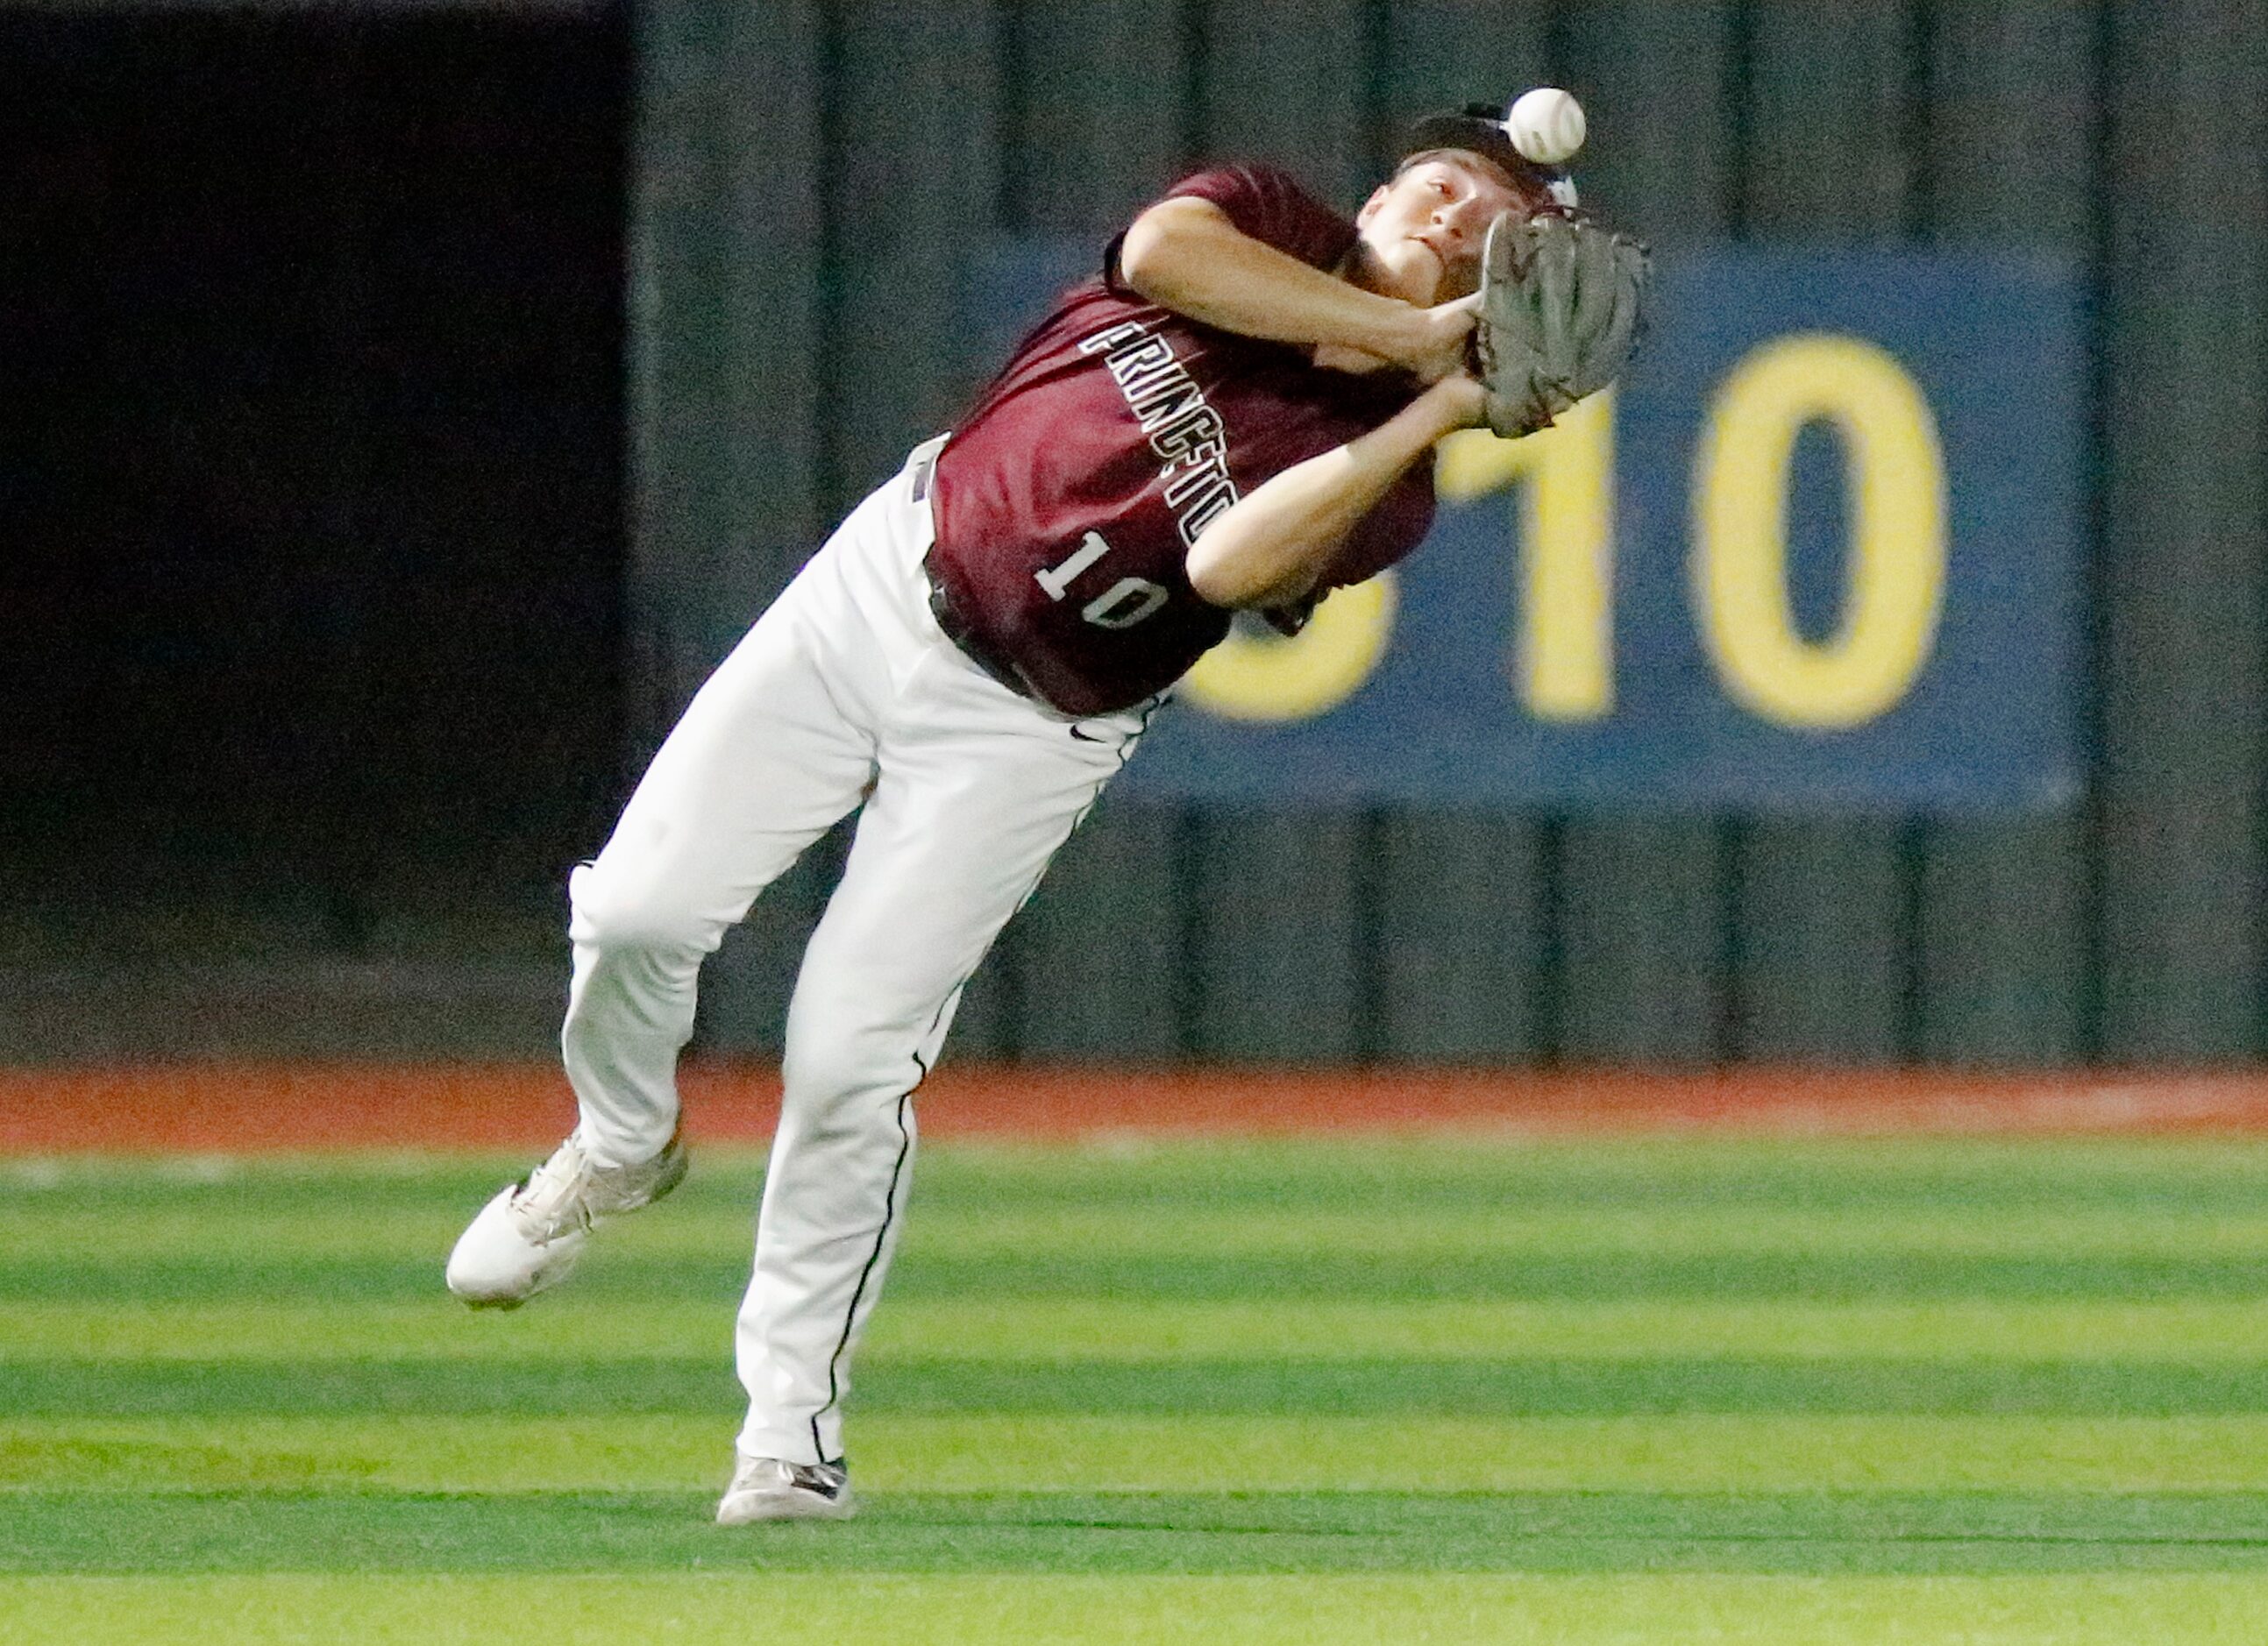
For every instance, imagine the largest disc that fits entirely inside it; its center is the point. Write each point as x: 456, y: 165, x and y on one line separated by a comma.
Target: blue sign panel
x: 1819, y: 552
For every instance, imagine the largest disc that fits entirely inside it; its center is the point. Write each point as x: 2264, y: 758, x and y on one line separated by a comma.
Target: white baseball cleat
x: 769, y: 1488
x: 526, y: 1240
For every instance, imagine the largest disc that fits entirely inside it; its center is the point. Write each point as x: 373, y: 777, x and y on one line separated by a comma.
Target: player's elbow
x: 1154, y: 257
x: 1215, y: 584
x: 1235, y: 581
x: 1137, y: 255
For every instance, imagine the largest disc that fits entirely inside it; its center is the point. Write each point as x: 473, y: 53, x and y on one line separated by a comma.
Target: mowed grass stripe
x: 563, y: 1386
x: 958, y: 1233
x: 1456, y: 1174
x: 714, y: 1608
x: 993, y: 1452
x: 588, y: 1327
x: 1464, y: 1170
x: 1326, y: 1273
x: 1812, y: 1533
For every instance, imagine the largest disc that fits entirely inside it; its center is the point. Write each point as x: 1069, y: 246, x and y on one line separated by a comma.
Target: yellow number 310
x: 1563, y: 666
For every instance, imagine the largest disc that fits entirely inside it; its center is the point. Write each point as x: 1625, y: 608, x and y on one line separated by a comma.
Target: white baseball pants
x: 845, y: 690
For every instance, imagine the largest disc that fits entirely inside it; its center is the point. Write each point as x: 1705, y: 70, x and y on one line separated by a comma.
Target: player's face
x: 1422, y: 232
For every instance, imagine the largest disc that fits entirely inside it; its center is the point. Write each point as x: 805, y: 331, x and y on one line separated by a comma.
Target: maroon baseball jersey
x: 1068, y: 497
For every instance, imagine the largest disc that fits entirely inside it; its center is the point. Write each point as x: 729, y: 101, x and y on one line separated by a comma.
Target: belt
x: 964, y: 638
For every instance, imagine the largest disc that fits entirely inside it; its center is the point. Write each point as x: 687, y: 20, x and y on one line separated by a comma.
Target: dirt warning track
x: 250, y: 1108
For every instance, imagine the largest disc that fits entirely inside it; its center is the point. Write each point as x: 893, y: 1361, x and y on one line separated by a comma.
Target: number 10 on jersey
x: 1123, y: 605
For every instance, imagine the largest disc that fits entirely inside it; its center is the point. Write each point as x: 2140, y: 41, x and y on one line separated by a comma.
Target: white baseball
x: 1546, y: 125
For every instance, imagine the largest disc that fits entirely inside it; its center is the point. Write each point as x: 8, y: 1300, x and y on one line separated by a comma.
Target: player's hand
x: 1459, y: 401
x: 1438, y: 339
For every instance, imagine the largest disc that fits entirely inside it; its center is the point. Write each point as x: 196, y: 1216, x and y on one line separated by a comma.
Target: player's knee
x: 824, y: 1068
x: 831, y: 1059
x: 617, y: 913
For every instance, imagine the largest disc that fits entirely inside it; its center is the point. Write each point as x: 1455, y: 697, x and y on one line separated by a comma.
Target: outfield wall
x: 432, y: 392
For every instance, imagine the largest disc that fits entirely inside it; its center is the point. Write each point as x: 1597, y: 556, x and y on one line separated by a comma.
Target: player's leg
x: 772, y: 750
x: 764, y: 761
x: 965, y: 818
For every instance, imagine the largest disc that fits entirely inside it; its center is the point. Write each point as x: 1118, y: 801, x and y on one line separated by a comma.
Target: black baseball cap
x: 1479, y: 128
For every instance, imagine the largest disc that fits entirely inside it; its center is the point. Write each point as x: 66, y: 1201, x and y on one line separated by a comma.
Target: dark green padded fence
x: 812, y: 176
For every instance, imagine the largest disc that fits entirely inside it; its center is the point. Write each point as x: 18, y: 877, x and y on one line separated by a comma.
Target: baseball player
x: 1237, y: 412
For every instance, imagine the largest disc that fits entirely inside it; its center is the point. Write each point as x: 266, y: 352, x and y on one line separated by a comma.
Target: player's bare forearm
x: 1269, y: 547
x: 1186, y: 255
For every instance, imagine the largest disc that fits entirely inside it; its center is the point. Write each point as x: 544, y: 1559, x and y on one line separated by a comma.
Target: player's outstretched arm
x: 1269, y: 547
x: 1186, y: 255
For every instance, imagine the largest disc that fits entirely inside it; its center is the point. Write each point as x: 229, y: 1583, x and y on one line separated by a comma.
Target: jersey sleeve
x: 1267, y: 203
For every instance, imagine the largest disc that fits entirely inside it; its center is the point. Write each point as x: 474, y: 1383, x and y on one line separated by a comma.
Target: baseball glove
x: 1560, y: 310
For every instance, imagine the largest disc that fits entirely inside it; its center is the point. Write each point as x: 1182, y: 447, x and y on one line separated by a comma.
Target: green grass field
x: 1635, y: 1390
